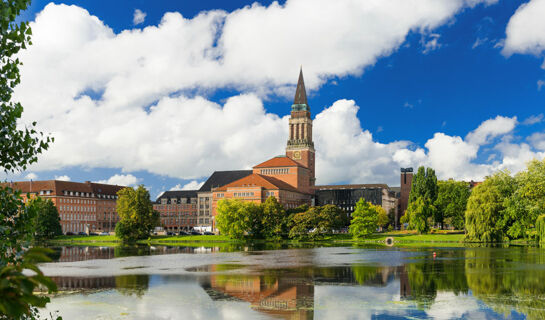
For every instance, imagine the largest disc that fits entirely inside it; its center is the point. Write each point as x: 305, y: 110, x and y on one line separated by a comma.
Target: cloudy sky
x: 165, y: 92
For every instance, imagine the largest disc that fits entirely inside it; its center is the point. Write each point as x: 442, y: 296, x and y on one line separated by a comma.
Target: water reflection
x: 492, y: 283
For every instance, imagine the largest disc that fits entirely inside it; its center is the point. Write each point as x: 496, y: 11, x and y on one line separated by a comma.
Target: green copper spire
x: 300, y: 101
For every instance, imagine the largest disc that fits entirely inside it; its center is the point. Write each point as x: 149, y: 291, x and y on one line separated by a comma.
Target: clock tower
x: 300, y: 145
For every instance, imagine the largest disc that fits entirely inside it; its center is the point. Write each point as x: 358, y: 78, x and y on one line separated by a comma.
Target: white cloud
x: 525, y: 30
x: 537, y: 140
x: 192, y: 185
x: 121, y: 180
x: 138, y: 17
x: 491, y: 129
x: 430, y: 43
x: 540, y: 84
x: 133, y: 100
x: 62, y: 178
x: 533, y: 119
x: 31, y: 176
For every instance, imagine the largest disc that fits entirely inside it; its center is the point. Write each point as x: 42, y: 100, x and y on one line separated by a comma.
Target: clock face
x: 297, y: 155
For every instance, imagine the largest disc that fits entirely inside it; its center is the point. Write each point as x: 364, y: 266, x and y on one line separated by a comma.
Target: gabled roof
x: 221, y: 178
x: 58, y: 187
x: 279, y: 161
x: 257, y: 180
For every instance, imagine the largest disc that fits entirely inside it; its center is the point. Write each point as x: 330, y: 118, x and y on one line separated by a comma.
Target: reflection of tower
x: 286, y: 296
x: 404, y: 286
x: 300, y: 145
x: 406, y: 183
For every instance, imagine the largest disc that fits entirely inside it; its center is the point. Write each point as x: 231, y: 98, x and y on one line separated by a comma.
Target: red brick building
x: 83, y: 207
x: 289, y: 178
x: 177, y: 210
x: 405, y: 189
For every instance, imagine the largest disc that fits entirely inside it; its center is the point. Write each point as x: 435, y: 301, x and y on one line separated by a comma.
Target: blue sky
x: 447, y: 75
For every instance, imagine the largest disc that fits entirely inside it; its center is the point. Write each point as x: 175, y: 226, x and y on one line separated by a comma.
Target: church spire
x: 300, y: 101
x: 301, y: 93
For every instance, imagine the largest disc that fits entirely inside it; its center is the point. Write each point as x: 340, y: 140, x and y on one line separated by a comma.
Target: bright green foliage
x: 364, y: 219
x: 16, y: 289
x: 540, y: 228
x: 234, y: 217
x: 451, y: 203
x: 304, y: 225
x: 273, y: 219
x: 424, y: 184
x: 485, y: 211
x: 46, y: 223
x: 137, y: 215
x: 330, y: 218
x: 18, y: 147
x: 527, y: 201
x: 418, y: 213
x: 383, y: 218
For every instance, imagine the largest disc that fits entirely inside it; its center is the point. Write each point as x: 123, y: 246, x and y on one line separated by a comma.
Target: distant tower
x: 406, y: 183
x: 300, y: 145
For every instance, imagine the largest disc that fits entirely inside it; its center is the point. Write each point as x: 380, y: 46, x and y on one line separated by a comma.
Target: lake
x: 370, y: 282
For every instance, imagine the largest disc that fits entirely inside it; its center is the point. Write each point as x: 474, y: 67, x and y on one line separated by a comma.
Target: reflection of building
x: 82, y: 207
x: 79, y: 283
x: 289, y: 296
x: 177, y: 210
x: 77, y: 253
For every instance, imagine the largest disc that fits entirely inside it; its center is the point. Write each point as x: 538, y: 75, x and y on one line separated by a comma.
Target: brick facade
x: 83, y: 207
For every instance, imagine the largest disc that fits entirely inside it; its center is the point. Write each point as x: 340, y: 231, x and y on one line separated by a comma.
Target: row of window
x: 77, y: 216
x: 243, y: 194
x: 83, y: 194
x: 77, y: 208
x: 275, y: 171
x: 79, y: 201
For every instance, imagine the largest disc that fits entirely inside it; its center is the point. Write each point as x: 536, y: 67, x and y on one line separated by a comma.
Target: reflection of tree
x: 508, y: 278
x: 427, y: 277
x: 132, y: 284
x: 364, y: 274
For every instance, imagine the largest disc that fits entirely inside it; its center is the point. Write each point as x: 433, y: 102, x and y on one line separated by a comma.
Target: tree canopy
x: 137, y: 216
x: 46, y: 222
x: 364, y: 219
x: 451, y: 203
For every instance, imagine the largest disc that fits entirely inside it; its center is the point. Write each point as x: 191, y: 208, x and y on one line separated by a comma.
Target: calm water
x: 304, y: 283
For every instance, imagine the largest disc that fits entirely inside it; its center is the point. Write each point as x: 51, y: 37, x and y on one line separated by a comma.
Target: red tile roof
x: 257, y: 180
x: 280, y: 161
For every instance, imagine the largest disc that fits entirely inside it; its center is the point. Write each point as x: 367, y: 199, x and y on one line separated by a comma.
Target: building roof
x: 257, y: 180
x: 221, y: 178
x: 300, y: 93
x: 178, y: 194
x: 352, y: 186
x: 57, y: 187
x: 279, y: 161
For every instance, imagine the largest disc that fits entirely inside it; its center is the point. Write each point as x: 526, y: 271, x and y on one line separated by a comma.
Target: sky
x: 163, y: 93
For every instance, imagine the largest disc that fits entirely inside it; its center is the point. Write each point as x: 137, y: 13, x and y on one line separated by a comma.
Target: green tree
x: 451, y: 203
x: 540, y: 228
x: 233, y: 218
x: 424, y: 184
x: 364, y: 219
x: 273, y: 219
x: 527, y: 201
x: 485, y: 211
x: 330, y: 218
x: 47, y: 223
x: 18, y: 148
x: 137, y: 217
x: 383, y: 217
x: 304, y: 224
x: 418, y: 213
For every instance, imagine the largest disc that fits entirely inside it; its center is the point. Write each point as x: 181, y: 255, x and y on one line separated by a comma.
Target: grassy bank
x: 211, y: 240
